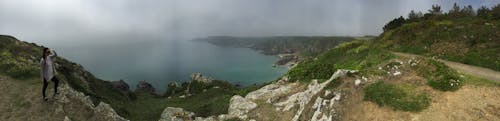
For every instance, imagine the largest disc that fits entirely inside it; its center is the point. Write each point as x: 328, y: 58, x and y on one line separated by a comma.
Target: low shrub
x: 23, y: 72
x: 396, y: 97
x: 443, y: 78
x: 307, y: 71
x: 355, y: 55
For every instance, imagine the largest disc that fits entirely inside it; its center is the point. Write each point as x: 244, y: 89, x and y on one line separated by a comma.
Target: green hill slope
x: 20, y: 60
x: 470, y: 39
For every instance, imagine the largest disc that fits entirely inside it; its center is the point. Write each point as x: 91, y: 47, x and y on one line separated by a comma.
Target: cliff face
x: 300, y: 45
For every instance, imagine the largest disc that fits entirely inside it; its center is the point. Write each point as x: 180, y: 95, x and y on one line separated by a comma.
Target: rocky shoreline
x: 294, y: 102
x: 287, y: 60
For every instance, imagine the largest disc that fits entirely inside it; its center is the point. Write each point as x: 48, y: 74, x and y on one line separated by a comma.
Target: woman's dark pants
x: 45, y: 84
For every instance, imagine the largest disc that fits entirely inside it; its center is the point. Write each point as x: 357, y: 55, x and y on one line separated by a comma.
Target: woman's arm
x: 41, y: 69
x: 52, y: 53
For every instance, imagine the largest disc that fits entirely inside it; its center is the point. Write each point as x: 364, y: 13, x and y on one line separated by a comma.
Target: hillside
x: 82, y: 92
x: 470, y: 39
x: 302, y: 45
x: 379, y: 85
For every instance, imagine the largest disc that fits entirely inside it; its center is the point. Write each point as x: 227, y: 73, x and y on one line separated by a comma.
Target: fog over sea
x: 162, y: 62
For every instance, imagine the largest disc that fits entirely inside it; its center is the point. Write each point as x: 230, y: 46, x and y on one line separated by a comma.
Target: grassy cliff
x: 304, y: 46
x: 20, y: 60
x: 471, y: 39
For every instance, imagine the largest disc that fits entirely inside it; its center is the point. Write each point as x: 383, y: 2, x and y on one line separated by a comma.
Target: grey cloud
x: 48, y: 21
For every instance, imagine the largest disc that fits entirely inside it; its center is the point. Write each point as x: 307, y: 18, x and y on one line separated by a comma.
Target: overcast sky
x: 45, y: 21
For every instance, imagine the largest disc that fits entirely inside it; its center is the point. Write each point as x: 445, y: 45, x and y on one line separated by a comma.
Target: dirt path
x: 464, y: 68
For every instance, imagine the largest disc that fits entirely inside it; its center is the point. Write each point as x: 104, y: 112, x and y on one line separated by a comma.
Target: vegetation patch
x: 395, y: 96
x: 334, y: 84
x: 472, y: 80
x: 148, y: 107
x: 460, y: 35
x: 18, y: 67
x: 204, y: 99
x: 307, y: 71
x: 440, y: 76
x: 356, y: 55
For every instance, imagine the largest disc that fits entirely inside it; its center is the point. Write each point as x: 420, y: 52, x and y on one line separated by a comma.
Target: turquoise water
x: 162, y: 62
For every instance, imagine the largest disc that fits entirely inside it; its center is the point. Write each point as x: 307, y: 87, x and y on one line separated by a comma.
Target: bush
x: 394, y: 23
x: 23, y: 72
x: 396, y: 97
x: 443, y: 78
x: 355, y: 55
x: 448, y: 35
x: 17, y: 68
x: 307, y: 71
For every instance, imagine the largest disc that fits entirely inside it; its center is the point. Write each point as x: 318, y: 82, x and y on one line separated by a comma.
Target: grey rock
x: 108, y: 113
x: 121, y: 85
x: 144, y: 86
x: 175, y: 114
x: 240, y: 106
x: 199, y: 77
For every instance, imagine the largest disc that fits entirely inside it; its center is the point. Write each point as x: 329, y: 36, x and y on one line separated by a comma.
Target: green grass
x: 148, y: 107
x: 472, y: 80
x: 467, y: 40
x: 396, y: 96
x: 212, y: 101
x: 439, y: 76
x: 305, y: 72
x: 17, y: 67
x: 356, y: 55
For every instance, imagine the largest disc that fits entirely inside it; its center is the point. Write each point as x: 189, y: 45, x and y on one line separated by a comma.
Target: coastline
x: 287, y: 59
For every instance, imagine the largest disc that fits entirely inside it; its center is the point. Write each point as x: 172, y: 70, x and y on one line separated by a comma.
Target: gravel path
x: 464, y: 68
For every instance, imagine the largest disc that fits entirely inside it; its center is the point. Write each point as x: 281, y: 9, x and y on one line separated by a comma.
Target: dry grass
x: 476, y: 100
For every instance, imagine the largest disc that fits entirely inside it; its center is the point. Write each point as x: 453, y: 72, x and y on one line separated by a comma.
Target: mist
x: 63, y: 22
x: 146, y: 40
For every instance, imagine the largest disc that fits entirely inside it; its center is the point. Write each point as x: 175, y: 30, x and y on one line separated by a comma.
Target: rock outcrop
x: 144, y: 86
x: 175, y: 114
x: 239, y: 106
x: 69, y: 96
x: 199, y: 77
x: 272, y: 90
x: 120, y: 85
x: 287, y: 58
x: 303, y: 98
x: 283, y: 96
x: 108, y: 113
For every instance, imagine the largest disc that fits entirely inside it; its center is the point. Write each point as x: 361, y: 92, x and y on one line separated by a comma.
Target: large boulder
x: 175, y: 114
x: 108, y: 113
x: 239, y: 107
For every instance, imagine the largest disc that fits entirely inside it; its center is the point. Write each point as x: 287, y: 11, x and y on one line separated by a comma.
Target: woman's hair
x: 44, y: 53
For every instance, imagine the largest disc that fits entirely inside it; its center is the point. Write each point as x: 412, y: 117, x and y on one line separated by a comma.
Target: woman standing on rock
x: 48, y: 70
